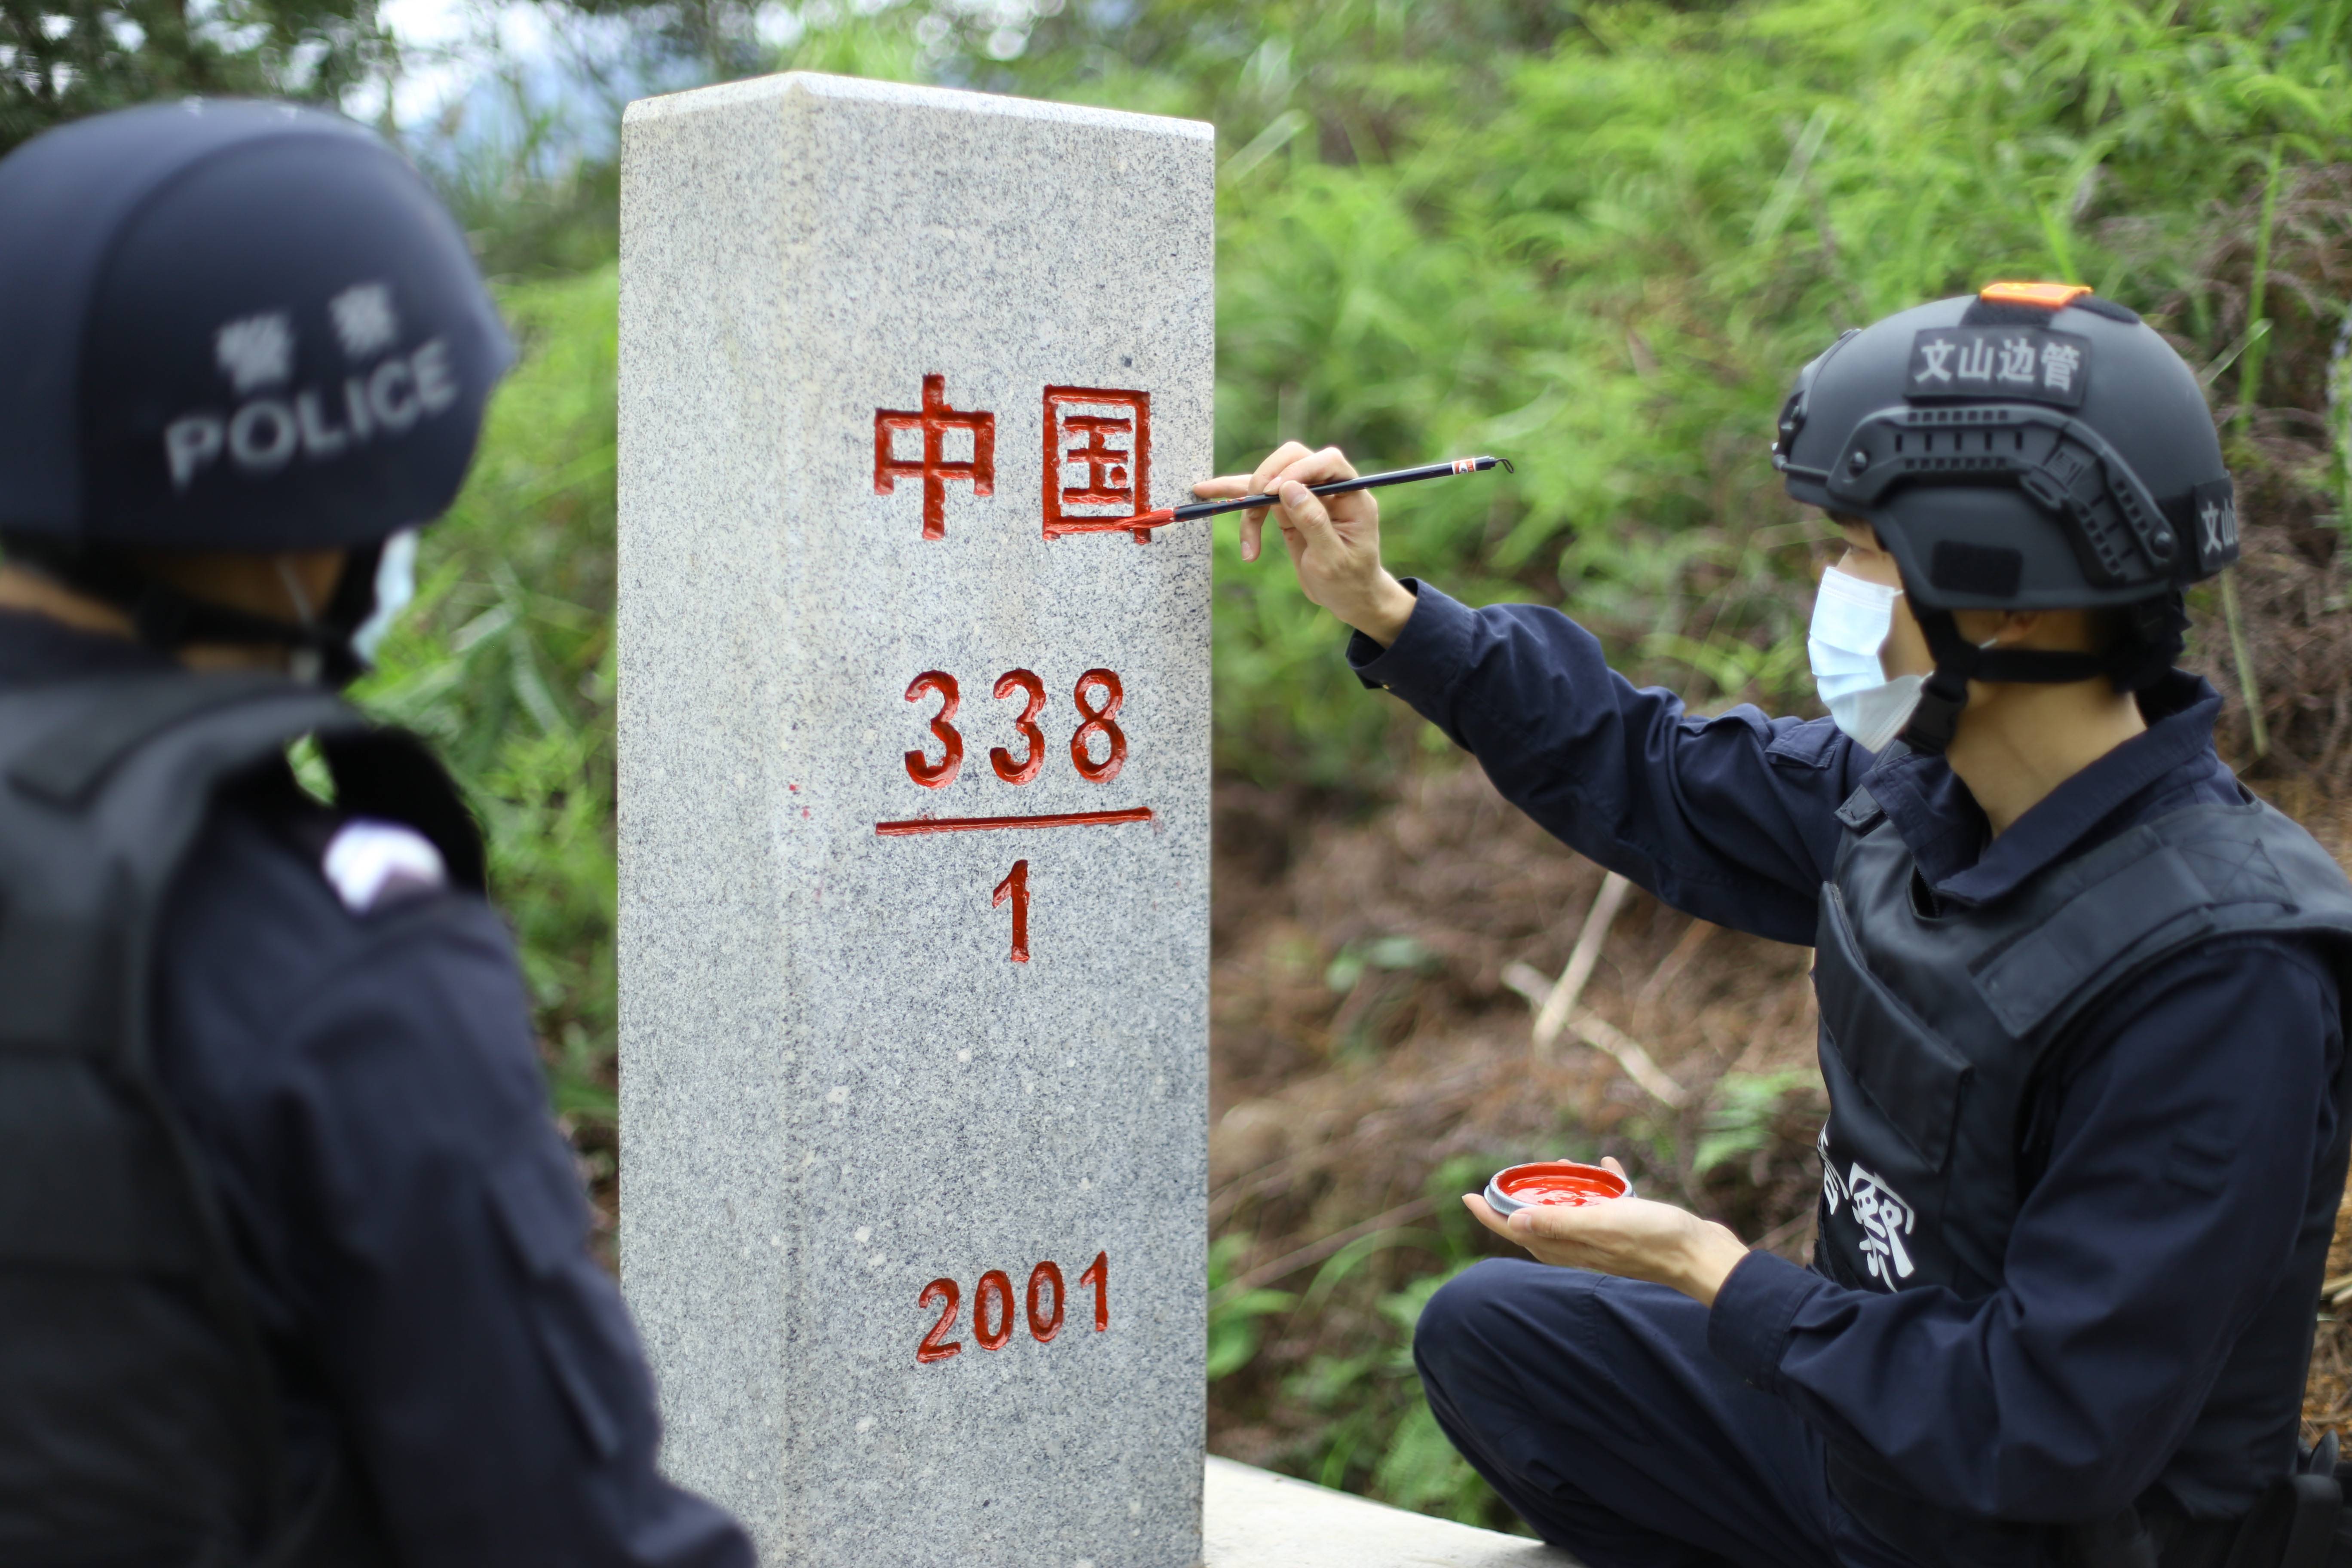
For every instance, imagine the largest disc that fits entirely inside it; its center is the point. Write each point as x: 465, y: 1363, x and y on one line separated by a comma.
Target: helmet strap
x: 1959, y: 662
x: 167, y: 620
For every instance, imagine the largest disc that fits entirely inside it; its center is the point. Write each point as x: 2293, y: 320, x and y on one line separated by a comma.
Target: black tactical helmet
x: 232, y: 326
x: 2032, y: 446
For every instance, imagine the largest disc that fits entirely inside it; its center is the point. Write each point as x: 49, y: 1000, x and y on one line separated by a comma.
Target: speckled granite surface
x: 836, y: 1085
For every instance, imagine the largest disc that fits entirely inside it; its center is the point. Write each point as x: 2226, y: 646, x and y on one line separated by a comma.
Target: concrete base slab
x: 1254, y: 1519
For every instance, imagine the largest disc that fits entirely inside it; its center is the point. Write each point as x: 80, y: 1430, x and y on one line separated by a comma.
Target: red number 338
x: 1097, y: 729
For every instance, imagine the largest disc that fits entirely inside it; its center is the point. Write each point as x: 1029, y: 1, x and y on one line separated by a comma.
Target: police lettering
x: 262, y: 436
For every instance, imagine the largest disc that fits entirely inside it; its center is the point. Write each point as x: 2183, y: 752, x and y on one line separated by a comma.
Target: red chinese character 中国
x: 1097, y: 457
x: 935, y: 468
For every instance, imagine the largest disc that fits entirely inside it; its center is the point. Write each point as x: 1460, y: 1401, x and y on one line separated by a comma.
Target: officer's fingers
x: 1291, y: 540
x: 1355, y: 510
x: 1225, y: 486
x: 1484, y: 1214
x: 1252, y: 532
x: 1538, y: 1228
x: 1609, y: 1162
x: 1305, y: 510
x: 1262, y: 477
x: 1321, y: 468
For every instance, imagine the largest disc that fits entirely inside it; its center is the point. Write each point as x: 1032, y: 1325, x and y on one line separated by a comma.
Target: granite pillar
x: 914, y: 817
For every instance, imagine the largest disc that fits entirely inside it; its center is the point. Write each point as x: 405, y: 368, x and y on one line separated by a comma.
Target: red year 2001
x: 995, y: 1313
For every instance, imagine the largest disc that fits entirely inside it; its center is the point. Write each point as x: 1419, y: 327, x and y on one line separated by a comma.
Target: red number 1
x: 1016, y: 886
x: 1098, y: 1275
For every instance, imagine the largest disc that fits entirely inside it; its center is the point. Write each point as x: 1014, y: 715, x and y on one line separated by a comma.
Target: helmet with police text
x: 2032, y: 446
x: 231, y: 325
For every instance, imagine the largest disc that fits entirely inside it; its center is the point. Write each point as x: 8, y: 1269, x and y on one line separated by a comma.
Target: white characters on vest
x: 1884, y: 1217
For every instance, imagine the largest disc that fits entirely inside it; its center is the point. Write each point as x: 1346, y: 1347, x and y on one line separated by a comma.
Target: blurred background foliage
x: 63, y: 58
x: 1596, y: 239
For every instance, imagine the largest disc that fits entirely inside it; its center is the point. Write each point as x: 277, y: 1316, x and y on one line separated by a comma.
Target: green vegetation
x: 60, y: 60
x: 1739, y: 1120
x: 1376, y: 1432
x: 507, y: 664
x: 1607, y: 260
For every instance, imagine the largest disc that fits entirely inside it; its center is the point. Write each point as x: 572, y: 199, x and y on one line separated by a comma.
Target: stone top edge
x: 816, y: 84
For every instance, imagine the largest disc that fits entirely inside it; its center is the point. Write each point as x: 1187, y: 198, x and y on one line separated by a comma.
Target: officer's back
x: 293, y: 1264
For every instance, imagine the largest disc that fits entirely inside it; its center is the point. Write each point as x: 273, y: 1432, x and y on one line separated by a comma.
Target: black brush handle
x: 1341, y: 487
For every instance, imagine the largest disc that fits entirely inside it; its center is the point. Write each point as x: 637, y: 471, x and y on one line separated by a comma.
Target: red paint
x: 933, y: 1348
x: 1097, y: 1277
x: 1016, y: 886
x: 935, y: 419
x: 1042, y: 1328
x: 941, y: 774
x: 1096, y: 721
x: 994, y: 1313
x: 1099, y: 720
x: 986, y: 824
x: 1031, y: 737
x: 991, y: 1284
x: 1563, y: 1182
x: 1117, y: 476
x: 1142, y: 522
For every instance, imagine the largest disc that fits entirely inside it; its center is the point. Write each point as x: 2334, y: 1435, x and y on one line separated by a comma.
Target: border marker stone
x: 915, y: 816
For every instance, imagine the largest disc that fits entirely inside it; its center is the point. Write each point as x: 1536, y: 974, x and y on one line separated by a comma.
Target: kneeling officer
x: 293, y: 1264
x: 2080, y: 1003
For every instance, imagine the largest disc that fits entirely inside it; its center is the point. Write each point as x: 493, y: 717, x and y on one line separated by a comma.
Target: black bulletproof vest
x: 1936, y: 1027
x: 138, y: 1414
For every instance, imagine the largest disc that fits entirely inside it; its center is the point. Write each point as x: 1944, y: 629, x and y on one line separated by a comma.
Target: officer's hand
x: 1629, y: 1236
x: 1334, y: 545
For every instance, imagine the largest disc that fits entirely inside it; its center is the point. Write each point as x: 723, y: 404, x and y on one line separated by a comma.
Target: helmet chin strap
x: 163, y: 618
x: 1959, y: 661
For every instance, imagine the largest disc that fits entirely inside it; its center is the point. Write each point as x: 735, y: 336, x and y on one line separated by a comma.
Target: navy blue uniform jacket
x: 2185, y: 1201
x: 365, y: 1097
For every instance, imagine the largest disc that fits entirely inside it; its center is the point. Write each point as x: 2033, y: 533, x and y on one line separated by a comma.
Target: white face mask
x: 395, y: 586
x: 1851, y: 621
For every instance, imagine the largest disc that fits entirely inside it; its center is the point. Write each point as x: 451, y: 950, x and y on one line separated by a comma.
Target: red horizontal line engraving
x: 984, y: 823
x: 1136, y: 524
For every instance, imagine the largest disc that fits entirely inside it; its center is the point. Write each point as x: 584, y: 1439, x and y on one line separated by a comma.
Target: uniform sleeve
x: 1730, y: 818
x: 2181, y: 1177
x: 496, y: 1395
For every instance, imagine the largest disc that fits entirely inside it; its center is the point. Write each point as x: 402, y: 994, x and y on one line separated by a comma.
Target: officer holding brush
x: 2081, y: 1000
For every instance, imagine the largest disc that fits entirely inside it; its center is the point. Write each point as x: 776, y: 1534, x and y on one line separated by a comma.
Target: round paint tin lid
x: 1562, y: 1181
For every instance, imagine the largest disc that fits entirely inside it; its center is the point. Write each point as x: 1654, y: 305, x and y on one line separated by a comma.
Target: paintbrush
x: 1165, y: 515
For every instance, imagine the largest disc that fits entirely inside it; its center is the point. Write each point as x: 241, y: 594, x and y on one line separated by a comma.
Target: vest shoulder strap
x: 103, y: 786
x: 1861, y: 811
x: 2203, y: 871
